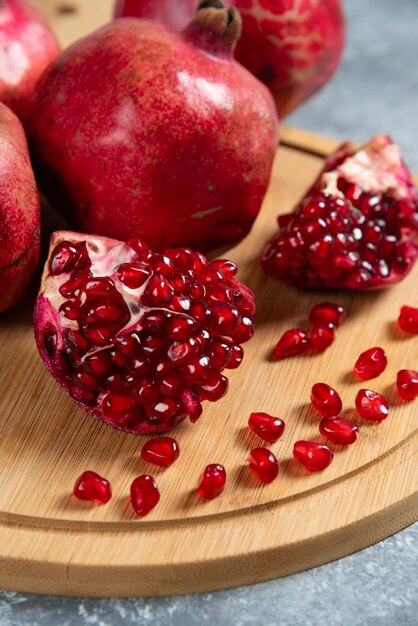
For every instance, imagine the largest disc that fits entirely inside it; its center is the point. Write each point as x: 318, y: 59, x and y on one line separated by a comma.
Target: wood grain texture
x: 51, y: 543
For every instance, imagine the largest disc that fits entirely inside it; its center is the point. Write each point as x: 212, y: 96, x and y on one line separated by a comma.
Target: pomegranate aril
x: 99, y: 363
x: 313, y: 456
x: 71, y: 310
x: 214, y: 387
x: 220, y: 353
x: 211, y: 274
x: 133, y: 275
x: 229, y: 268
x: 162, y: 451
x: 180, y: 327
x: 144, y: 495
x: 92, y: 487
x: 292, y: 342
x: 408, y: 319
x: 338, y: 430
x: 147, y: 391
x: 370, y: 363
x: 99, y: 334
x: 322, y: 336
x: 407, y: 384
x: 100, y: 288
x: 225, y: 318
x: 64, y: 258
x: 371, y: 405
x: 326, y: 400
x: 236, y: 357
x: 117, y: 403
x: 196, y: 370
x: 192, y: 404
x: 327, y: 312
x: 263, y: 464
x: 162, y: 410
x: 76, y: 340
x: 266, y: 426
x: 244, y: 331
x: 212, y: 482
x: 158, y: 292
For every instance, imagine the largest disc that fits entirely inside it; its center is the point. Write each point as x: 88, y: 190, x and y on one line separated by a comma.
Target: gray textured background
x: 376, y: 90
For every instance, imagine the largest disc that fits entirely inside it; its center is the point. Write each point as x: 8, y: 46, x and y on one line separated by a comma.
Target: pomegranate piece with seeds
x: 408, y: 319
x: 212, y: 482
x: 266, y: 426
x: 140, y: 339
x: 338, y: 430
x: 144, y: 495
x: 407, y: 384
x: 371, y: 405
x: 92, y: 487
x: 162, y: 451
x: 370, y: 363
x: 327, y: 313
x: 263, y: 464
x: 356, y: 228
x: 293, y: 341
x: 313, y: 456
x: 326, y: 400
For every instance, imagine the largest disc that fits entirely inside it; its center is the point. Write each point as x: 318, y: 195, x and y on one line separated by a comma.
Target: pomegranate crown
x: 215, y: 28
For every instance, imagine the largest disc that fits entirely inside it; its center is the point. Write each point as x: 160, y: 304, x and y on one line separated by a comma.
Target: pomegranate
x: 137, y: 338
x: 293, y: 47
x: 178, y: 140
x: 356, y: 228
x: 19, y: 211
x: 27, y: 46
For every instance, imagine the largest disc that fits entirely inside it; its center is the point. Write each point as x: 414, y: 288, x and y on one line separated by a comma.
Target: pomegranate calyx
x: 215, y: 28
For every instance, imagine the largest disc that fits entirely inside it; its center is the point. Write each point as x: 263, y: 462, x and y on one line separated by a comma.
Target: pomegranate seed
x: 322, y: 336
x: 370, y: 363
x: 229, y: 268
x: 133, y: 276
x: 162, y: 451
x: 338, y: 430
x: 244, y: 331
x: 236, y: 357
x: 407, y: 384
x: 158, y: 292
x: 371, y: 405
x: 144, y: 495
x: 326, y: 400
x: 263, y: 464
x: 225, y: 318
x: 212, y: 482
x: 327, y: 313
x: 293, y: 341
x: 266, y: 426
x: 64, y: 258
x: 180, y: 327
x: 313, y: 456
x: 92, y: 487
x: 213, y: 388
x: 408, y: 319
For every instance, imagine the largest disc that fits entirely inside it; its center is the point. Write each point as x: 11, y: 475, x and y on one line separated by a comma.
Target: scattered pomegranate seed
x: 266, y: 426
x: 407, y: 384
x: 313, y: 456
x: 92, y: 487
x: 322, y: 336
x: 263, y: 464
x: 212, y: 482
x: 326, y: 400
x: 144, y: 495
x: 371, y: 405
x: 293, y: 341
x: 408, y: 319
x: 338, y: 430
x: 162, y: 451
x: 370, y: 363
x: 327, y: 312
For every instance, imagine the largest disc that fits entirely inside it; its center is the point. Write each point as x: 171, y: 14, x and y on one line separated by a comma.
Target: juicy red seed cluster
x: 266, y: 426
x: 370, y: 363
x: 313, y: 456
x: 150, y: 375
x: 92, y: 487
x: 371, y: 405
x: 338, y: 430
x: 325, y: 317
x: 353, y: 242
x: 144, y: 495
x: 326, y: 400
x: 407, y: 384
x: 408, y: 319
x: 263, y: 464
x: 212, y: 482
x: 162, y: 451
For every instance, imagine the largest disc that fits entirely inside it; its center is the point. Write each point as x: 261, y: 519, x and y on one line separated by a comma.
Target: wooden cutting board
x: 52, y: 543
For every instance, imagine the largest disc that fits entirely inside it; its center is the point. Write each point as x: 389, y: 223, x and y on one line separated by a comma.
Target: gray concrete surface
x: 376, y: 90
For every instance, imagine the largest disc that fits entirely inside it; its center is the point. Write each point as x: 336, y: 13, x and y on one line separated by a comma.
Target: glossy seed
x: 266, y: 426
x: 263, y: 464
x: 92, y: 487
x: 293, y: 341
x: 338, y: 430
x: 212, y: 482
x: 370, y: 363
x: 162, y: 451
x: 144, y: 495
x: 313, y: 456
x: 326, y: 400
x: 407, y: 384
x: 371, y: 405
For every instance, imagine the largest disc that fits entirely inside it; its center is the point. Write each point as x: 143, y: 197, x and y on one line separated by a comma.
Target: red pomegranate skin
x: 19, y: 211
x: 151, y: 134
x: 27, y: 46
x: 293, y: 46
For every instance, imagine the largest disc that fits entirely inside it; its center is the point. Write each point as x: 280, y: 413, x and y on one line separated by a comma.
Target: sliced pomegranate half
x: 139, y: 339
x: 356, y: 228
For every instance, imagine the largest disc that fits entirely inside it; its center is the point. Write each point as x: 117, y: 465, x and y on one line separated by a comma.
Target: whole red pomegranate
x: 137, y: 338
x: 19, y: 211
x: 293, y: 46
x: 146, y: 133
x: 356, y: 228
x: 27, y: 46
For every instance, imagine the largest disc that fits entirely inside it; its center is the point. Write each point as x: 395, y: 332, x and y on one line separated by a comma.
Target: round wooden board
x: 52, y: 543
